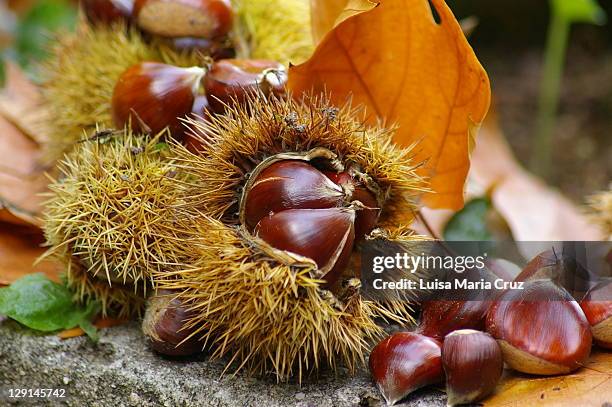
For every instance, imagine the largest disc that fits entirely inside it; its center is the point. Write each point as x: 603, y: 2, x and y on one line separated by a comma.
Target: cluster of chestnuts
x: 153, y: 96
x: 540, y: 330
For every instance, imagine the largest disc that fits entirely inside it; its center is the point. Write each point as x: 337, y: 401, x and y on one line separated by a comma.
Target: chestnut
x: 290, y: 184
x: 154, y: 96
x: 324, y: 235
x: 107, y: 11
x: 405, y: 362
x: 214, y: 48
x: 597, y: 307
x: 540, y: 329
x: 184, y: 18
x: 232, y: 80
x: 164, y: 326
x: 367, y: 217
x: 440, y: 317
x: 473, y: 365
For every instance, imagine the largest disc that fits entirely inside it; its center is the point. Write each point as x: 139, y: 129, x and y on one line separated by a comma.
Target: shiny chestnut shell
x: 232, y: 80
x: 540, y: 329
x: 155, y: 96
x: 107, y: 11
x: 473, y: 365
x: 290, y: 184
x: 164, y: 326
x: 323, y: 235
x: 405, y: 362
x: 440, y: 317
x: 597, y: 307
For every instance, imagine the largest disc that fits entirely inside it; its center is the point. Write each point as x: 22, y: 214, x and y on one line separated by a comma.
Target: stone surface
x: 121, y: 371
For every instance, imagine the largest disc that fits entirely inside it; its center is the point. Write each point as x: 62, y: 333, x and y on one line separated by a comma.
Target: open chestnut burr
x: 295, y: 207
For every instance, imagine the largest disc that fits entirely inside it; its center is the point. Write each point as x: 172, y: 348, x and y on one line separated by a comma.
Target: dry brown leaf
x: 21, y: 177
x: 20, y: 104
x: 326, y: 14
x: 19, y: 249
x: 100, y: 323
x: 405, y: 68
x: 533, y: 210
x: 589, y: 386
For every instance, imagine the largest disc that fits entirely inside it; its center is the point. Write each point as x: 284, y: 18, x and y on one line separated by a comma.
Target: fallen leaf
x: 21, y: 178
x: 19, y: 249
x: 20, y: 104
x: 99, y: 323
x: 326, y: 14
x: 412, y: 71
x: 533, y: 210
x: 589, y: 386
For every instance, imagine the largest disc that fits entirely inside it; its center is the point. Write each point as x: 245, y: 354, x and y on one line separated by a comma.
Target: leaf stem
x: 558, y: 33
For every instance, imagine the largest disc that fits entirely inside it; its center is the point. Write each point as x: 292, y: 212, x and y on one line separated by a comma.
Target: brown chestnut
x: 289, y: 184
x: 540, y: 329
x: 155, y: 96
x: 597, y: 307
x: 440, y: 317
x: 184, y: 18
x: 405, y: 362
x: 164, y: 326
x: 473, y: 365
x: 214, y: 48
x: 367, y: 217
x: 324, y: 235
x: 232, y: 80
x: 107, y: 11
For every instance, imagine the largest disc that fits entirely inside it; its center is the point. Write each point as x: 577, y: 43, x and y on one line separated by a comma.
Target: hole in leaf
x: 434, y: 13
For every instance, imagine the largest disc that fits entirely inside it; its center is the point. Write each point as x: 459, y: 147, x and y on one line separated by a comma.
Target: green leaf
x: 43, y: 305
x: 470, y: 223
x: 34, y: 31
x: 579, y: 11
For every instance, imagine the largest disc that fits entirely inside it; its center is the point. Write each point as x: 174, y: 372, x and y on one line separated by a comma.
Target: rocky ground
x: 121, y: 371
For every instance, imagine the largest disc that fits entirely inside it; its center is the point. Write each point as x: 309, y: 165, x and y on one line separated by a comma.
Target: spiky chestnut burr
x: 600, y: 212
x: 110, y: 215
x: 153, y: 96
x: 107, y: 11
x: 541, y: 329
x: 231, y: 81
x: 290, y: 323
x: 405, y: 362
x: 184, y: 18
x: 597, y: 307
x: 164, y: 326
x: 473, y: 365
x: 277, y: 30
